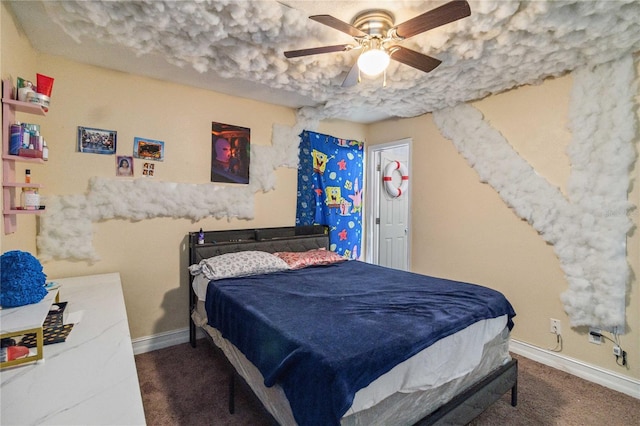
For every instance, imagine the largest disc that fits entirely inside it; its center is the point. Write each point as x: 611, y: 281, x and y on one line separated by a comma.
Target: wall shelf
x: 22, y: 211
x: 21, y: 185
x: 9, y: 185
x: 20, y: 106
x: 22, y: 159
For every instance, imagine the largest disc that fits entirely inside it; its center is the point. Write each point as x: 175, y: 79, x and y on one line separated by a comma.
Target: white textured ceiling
x: 236, y: 47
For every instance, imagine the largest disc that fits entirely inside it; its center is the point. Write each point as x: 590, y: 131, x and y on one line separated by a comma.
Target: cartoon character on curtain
x: 329, y: 189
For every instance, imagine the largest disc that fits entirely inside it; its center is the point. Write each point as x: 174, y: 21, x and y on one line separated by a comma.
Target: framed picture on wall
x: 148, y: 149
x: 230, y: 153
x: 148, y: 169
x: 124, y: 165
x: 97, y: 141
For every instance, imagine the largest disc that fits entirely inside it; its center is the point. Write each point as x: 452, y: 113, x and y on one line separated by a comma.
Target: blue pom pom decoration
x: 22, y: 279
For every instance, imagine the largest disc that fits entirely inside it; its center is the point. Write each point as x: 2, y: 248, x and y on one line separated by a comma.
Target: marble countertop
x: 91, y: 378
x: 26, y: 317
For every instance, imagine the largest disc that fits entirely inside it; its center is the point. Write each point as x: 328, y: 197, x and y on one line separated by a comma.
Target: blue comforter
x: 323, y: 333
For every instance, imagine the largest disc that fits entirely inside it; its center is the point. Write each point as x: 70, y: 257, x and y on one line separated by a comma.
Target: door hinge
x: 378, y: 168
x: 377, y: 221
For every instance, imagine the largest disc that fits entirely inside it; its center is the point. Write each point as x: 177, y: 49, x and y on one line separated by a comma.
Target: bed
x: 410, y: 358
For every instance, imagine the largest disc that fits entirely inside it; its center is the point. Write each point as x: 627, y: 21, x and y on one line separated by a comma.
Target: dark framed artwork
x: 230, y: 153
x: 97, y: 141
x: 148, y: 149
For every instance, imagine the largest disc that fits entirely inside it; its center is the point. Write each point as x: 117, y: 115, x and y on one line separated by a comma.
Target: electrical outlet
x: 554, y: 326
x: 595, y: 336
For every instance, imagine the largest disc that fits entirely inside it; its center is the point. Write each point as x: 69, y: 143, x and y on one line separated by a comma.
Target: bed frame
x: 292, y: 238
x: 463, y: 408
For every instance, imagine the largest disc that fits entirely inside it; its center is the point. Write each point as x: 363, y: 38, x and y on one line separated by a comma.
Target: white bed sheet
x: 432, y: 366
x: 200, y: 284
x: 426, y: 370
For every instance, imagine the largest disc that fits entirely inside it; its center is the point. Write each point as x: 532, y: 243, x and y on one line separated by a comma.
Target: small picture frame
x: 97, y: 141
x: 148, y: 149
x: 148, y: 169
x: 124, y: 165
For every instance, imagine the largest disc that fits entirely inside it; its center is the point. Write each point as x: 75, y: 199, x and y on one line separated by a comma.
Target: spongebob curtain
x: 330, y: 189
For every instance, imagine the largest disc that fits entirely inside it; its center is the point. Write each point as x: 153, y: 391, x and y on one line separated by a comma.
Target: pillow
x: 299, y: 260
x: 239, y: 264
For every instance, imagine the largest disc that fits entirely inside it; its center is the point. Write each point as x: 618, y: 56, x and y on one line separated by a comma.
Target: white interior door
x: 389, y: 217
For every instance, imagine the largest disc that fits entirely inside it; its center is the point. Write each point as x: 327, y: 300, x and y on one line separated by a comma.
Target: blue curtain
x: 330, y: 189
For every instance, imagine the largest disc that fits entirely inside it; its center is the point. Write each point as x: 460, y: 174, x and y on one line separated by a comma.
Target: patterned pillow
x: 239, y: 264
x: 299, y: 260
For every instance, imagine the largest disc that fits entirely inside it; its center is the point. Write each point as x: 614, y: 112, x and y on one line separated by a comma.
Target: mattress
x: 407, y: 392
x: 324, y: 332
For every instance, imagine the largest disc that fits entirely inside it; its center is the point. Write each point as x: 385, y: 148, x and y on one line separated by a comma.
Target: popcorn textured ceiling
x: 236, y: 47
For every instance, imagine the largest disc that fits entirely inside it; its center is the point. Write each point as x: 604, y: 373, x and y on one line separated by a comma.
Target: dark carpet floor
x: 185, y: 386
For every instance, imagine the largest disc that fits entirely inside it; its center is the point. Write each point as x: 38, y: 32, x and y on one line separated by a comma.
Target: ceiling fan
x: 375, y: 34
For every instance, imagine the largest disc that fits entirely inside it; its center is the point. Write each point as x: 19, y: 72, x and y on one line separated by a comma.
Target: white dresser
x: 91, y: 378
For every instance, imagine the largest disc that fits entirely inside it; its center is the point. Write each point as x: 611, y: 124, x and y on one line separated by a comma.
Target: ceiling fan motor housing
x: 376, y: 22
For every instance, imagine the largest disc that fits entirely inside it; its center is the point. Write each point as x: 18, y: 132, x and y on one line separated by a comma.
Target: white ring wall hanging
x: 391, y: 189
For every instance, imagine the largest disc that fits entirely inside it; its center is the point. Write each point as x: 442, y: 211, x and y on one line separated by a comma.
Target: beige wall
x: 461, y: 229
x: 150, y: 254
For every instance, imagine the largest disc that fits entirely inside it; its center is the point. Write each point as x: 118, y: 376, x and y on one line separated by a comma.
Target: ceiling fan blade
x: 444, y: 14
x: 317, y: 50
x: 339, y: 25
x: 414, y: 59
x: 352, y: 77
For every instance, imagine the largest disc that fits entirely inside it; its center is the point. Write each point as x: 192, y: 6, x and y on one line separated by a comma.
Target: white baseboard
x: 609, y: 379
x: 163, y: 340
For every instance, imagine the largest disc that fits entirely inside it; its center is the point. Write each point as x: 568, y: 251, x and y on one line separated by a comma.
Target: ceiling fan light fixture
x: 373, y: 62
x: 375, y: 33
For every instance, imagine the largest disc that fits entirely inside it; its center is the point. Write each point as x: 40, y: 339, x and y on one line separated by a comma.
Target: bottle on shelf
x: 45, y: 151
x: 36, y: 141
x: 26, y: 92
x: 30, y: 199
x: 26, y: 137
x: 15, y: 141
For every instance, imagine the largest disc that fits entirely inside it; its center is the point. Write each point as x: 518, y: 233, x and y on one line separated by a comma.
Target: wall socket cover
x: 554, y: 326
x: 595, y: 339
